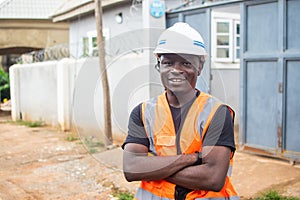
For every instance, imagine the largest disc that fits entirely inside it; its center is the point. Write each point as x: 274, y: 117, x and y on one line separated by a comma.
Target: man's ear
x: 199, y: 72
x: 199, y: 69
x: 157, y: 66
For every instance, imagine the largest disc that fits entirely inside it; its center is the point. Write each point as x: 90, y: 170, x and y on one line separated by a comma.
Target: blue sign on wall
x: 157, y: 8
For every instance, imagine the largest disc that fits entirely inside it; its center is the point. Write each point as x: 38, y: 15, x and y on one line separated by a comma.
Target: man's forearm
x: 188, y: 177
x: 148, y: 168
x: 210, y: 175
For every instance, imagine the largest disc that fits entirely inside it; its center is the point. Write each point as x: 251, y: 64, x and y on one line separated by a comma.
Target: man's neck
x: 177, y: 100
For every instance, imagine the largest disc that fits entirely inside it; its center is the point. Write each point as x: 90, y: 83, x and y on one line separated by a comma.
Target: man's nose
x: 177, y: 67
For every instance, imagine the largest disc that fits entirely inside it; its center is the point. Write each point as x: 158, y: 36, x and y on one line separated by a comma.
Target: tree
x: 4, y: 85
x: 103, y: 72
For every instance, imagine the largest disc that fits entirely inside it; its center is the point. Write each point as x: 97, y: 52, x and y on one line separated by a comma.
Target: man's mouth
x: 176, y: 79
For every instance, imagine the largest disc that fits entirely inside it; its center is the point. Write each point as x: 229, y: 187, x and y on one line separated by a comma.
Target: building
x: 25, y: 26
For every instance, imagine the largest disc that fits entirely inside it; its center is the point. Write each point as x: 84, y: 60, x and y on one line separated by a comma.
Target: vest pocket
x: 166, y: 140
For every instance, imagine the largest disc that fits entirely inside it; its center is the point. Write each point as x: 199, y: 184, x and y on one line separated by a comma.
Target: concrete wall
x: 34, y: 92
x: 68, y: 93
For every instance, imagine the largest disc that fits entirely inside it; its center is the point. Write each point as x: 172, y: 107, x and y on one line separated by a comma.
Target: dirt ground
x: 41, y: 164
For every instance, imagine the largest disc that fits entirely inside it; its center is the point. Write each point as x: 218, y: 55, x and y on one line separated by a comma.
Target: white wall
x: 34, y: 92
x: 69, y: 94
x: 225, y: 86
x: 225, y: 82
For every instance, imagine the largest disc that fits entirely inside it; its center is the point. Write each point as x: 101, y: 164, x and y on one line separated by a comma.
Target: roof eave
x: 86, y: 8
x: 83, y: 9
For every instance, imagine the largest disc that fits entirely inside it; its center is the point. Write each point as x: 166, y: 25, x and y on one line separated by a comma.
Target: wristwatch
x: 199, y: 158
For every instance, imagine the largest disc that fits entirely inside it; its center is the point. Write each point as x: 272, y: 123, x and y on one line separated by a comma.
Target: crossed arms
x: 179, y: 169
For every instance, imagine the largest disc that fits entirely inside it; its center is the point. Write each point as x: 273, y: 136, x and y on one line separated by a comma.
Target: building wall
x: 32, y: 33
x: 225, y: 85
x: 83, y: 25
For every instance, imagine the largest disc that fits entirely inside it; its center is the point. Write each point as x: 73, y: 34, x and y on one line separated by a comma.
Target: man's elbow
x: 129, y: 177
x: 216, y: 185
x: 212, y: 184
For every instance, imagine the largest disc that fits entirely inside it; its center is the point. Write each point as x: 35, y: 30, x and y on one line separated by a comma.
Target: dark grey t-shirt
x: 219, y: 133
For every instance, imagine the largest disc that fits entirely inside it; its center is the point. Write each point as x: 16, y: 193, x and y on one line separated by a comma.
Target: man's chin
x: 179, y: 91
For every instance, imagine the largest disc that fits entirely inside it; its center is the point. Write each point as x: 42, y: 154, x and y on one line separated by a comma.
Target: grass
x: 273, y: 195
x: 71, y: 137
x: 93, y: 145
x: 122, y: 195
x: 29, y: 123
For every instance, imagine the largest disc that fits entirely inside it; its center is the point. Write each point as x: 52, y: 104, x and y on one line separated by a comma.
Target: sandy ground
x: 40, y: 163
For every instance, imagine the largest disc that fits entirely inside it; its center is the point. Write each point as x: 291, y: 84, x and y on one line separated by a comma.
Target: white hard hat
x: 180, y: 38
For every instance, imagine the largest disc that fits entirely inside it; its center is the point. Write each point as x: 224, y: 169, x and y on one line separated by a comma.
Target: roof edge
x: 84, y: 8
x: 61, y: 10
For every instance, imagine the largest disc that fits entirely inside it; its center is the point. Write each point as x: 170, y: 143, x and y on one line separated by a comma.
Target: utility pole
x: 105, y: 85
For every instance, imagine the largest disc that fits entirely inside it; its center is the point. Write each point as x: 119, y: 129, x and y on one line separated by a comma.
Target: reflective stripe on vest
x: 159, y: 126
x: 142, y: 194
x: 219, y: 198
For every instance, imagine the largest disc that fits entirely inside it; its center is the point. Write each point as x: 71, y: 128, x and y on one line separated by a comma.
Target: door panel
x: 262, y: 28
x: 293, y: 106
x: 293, y: 24
x: 261, y: 105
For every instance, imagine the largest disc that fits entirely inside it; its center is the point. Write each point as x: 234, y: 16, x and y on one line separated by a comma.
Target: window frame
x: 233, y: 20
x: 92, y: 47
x: 229, y: 46
x: 235, y: 36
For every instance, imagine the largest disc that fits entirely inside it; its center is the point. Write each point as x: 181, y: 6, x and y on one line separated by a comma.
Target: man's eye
x: 187, y: 64
x: 167, y: 63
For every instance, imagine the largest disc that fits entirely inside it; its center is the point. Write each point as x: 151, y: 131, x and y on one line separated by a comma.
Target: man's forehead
x: 178, y: 56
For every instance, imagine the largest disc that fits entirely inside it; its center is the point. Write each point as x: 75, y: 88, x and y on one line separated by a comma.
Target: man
x: 180, y: 144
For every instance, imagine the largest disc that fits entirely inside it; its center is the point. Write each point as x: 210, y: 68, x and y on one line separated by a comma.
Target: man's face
x: 179, y: 72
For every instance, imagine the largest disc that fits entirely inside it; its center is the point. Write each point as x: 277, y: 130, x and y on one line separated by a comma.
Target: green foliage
x: 30, y: 124
x: 92, y: 150
x: 4, y: 85
x: 93, y: 145
x: 123, y: 195
x: 71, y: 137
x: 273, y: 195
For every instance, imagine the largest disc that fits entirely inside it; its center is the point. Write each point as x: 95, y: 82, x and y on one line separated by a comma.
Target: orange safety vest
x: 159, y: 126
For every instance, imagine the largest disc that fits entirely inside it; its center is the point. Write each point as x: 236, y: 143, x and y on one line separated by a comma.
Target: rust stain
x: 279, y: 138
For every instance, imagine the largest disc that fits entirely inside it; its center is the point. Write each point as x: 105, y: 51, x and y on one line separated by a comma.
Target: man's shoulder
x: 153, y: 100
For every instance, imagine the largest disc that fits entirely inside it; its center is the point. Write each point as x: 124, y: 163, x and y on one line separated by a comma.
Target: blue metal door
x: 269, y: 74
x: 260, y: 75
x: 292, y: 72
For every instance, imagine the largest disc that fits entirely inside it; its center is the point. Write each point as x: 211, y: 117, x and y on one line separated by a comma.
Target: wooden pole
x: 105, y: 85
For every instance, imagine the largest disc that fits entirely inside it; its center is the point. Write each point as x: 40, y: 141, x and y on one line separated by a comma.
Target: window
x: 85, y: 50
x: 93, y: 47
x: 237, y: 41
x: 226, y: 40
x: 223, y: 39
x: 89, y: 43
